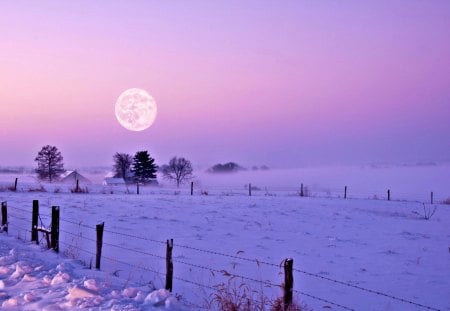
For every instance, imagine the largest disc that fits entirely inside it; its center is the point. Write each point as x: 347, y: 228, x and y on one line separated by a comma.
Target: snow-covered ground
x: 32, y: 278
x: 366, y: 245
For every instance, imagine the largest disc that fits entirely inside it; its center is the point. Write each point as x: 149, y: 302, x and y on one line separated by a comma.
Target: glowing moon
x: 136, y: 109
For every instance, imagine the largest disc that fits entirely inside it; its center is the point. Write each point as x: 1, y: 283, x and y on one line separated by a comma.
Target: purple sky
x: 282, y: 83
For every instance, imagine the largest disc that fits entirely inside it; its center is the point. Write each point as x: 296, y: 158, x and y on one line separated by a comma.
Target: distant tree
x: 122, y: 165
x: 144, y: 167
x: 50, y: 163
x: 226, y: 168
x: 178, y: 170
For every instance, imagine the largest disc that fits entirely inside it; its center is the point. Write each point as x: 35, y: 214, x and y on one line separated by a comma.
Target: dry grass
x: 235, y: 295
x: 79, y: 190
x: 38, y: 189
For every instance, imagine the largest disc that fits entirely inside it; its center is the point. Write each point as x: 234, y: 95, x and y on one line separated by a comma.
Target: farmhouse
x: 72, y: 177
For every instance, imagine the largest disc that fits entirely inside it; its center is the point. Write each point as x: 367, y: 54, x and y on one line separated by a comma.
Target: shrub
x: 446, y: 201
x: 427, y: 212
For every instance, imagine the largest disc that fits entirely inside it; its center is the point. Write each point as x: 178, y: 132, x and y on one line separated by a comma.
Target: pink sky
x: 282, y: 83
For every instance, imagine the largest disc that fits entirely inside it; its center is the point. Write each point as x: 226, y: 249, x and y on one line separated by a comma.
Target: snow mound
x: 43, y: 280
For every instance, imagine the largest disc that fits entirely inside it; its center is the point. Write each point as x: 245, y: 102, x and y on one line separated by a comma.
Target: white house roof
x: 114, y: 181
x: 73, y: 176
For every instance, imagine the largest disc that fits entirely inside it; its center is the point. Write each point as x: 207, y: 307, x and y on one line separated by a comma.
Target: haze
x: 285, y: 84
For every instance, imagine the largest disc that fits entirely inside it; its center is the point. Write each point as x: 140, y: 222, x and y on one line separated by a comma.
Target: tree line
x: 140, y: 168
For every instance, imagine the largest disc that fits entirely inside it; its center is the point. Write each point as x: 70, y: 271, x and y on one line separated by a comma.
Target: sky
x: 280, y: 83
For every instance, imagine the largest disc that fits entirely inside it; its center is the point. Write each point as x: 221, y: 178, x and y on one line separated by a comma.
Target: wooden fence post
x: 137, y: 188
x: 250, y: 190
x: 34, y: 222
x: 4, y: 217
x: 169, y: 265
x: 77, y: 188
x: 345, y: 192
x: 288, y: 282
x: 15, y: 185
x: 192, y: 188
x: 301, y: 191
x: 99, y: 228
x: 432, y: 197
x: 55, y: 229
x: 389, y: 195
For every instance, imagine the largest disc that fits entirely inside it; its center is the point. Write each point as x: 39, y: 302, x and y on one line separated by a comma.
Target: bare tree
x: 122, y: 164
x: 178, y: 170
x: 50, y: 163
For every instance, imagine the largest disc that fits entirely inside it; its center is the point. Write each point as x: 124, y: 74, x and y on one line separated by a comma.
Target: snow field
x: 378, y: 245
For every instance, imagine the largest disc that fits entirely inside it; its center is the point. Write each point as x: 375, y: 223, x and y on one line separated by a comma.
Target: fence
x: 95, y: 245
x: 249, y: 189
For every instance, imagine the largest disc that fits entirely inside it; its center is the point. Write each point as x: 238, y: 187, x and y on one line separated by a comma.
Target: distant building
x: 73, y: 176
x: 113, y: 181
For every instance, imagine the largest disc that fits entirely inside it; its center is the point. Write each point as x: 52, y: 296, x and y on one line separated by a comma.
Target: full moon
x: 136, y: 109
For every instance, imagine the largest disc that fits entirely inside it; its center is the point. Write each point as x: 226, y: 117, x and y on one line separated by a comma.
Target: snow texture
x: 380, y: 252
x: 32, y: 278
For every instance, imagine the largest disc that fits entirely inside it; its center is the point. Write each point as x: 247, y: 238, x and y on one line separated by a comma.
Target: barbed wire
x: 77, y: 223
x: 364, y: 289
x: 135, y: 251
x: 254, y: 260
x: 135, y: 236
x: 227, y: 274
x: 20, y: 209
x: 208, y: 268
x: 77, y: 247
x: 244, y: 259
x: 323, y: 300
x: 213, y: 288
x: 132, y: 265
x: 78, y: 235
x: 17, y: 217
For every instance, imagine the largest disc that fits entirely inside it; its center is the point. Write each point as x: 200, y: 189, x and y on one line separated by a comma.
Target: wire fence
x: 312, y: 190
x: 79, y: 241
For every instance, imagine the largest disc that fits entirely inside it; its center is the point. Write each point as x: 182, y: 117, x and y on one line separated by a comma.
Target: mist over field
x: 406, y: 182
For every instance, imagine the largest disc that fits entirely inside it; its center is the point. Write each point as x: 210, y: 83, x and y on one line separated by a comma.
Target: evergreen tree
x: 50, y: 163
x: 144, y: 167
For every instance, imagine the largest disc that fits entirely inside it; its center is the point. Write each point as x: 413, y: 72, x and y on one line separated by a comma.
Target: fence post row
x: 288, y: 282
x: 77, y: 188
x: 137, y: 188
x: 34, y: 222
x: 4, y: 217
x: 345, y: 192
x: 431, y: 197
x: 301, y: 191
x: 15, y: 184
x: 99, y: 228
x: 250, y: 190
x: 55, y: 229
x: 389, y: 195
x: 169, y: 265
x: 192, y: 188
